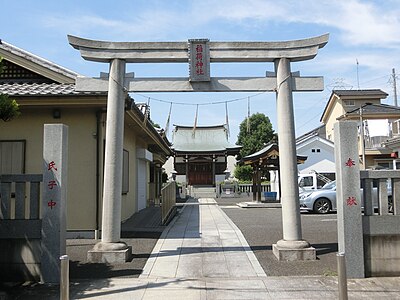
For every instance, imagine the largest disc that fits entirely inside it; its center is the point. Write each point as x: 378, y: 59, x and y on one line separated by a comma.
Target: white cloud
x: 364, y: 23
x: 358, y: 22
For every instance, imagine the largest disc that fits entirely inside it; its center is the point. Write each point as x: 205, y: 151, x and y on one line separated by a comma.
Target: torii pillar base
x: 112, y: 253
x: 293, y: 251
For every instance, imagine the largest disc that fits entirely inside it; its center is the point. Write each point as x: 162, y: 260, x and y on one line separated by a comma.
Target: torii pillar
x: 292, y: 246
x: 111, y: 249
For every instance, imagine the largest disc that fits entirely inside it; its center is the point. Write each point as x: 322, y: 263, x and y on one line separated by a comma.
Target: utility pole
x: 394, y: 86
x: 358, y: 78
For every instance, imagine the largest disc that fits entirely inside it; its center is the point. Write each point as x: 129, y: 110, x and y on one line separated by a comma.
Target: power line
x: 375, y: 79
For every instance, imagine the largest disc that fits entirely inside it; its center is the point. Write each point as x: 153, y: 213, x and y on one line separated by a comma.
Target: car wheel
x: 322, y: 206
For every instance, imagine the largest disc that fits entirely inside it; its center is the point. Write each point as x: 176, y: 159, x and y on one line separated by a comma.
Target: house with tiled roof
x: 377, y: 123
x: 46, y: 94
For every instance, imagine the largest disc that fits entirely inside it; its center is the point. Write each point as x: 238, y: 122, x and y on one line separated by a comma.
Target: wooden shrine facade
x: 263, y: 161
x: 201, y: 153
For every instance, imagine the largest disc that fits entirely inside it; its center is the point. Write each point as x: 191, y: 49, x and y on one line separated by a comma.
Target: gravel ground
x: 262, y: 227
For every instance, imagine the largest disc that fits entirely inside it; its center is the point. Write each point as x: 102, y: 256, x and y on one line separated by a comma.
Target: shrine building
x: 201, y: 153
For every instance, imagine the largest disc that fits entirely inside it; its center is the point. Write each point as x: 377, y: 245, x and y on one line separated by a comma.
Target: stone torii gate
x: 199, y: 54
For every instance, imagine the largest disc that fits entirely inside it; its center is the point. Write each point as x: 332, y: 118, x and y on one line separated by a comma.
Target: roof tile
x: 42, y: 89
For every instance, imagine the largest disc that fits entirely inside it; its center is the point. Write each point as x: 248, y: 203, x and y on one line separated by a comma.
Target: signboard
x: 199, y: 60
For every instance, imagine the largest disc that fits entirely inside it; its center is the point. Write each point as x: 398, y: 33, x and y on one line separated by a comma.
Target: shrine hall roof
x: 269, y: 151
x: 202, y: 139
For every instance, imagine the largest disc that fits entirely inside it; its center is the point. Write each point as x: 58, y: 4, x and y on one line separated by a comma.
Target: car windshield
x: 330, y: 185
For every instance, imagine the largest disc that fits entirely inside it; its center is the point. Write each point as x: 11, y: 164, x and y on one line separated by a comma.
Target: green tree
x: 155, y: 125
x: 9, y: 108
x: 257, y: 137
x: 254, y: 134
x: 243, y: 173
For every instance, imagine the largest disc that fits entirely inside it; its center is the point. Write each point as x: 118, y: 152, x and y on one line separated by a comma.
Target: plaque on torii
x: 200, y: 53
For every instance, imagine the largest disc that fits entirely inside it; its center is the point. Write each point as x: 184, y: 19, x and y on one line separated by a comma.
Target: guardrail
x: 168, y: 201
x: 20, y: 227
x: 21, y: 201
x: 381, y: 222
x: 381, y: 190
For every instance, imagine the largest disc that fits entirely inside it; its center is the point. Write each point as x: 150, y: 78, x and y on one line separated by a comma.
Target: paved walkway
x: 202, y: 242
x: 203, y: 255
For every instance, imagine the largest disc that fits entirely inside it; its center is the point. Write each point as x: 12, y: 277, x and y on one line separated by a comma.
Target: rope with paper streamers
x: 168, y: 121
x: 173, y: 103
x: 227, y: 119
x: 200, y: 104
x: 195, y: 121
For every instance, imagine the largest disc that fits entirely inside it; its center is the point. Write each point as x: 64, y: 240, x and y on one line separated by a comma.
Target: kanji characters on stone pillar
x: 51, y: 165
x: 351, y: 201
x: 51, y: 204
x: 350, y: 163
x: 51, y: 184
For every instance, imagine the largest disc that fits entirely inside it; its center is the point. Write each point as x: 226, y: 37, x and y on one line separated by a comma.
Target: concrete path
x: 202, y: 242
x: 203, y: 255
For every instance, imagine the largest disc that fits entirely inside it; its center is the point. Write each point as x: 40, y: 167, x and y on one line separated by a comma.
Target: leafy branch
x: 9, y: 108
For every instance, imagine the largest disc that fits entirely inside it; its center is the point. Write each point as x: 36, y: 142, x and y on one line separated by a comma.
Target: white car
x: 323, y: 200
x: 320, y: 201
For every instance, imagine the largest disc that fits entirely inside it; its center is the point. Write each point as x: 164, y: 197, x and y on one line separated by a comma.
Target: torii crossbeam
x: 199, y: 54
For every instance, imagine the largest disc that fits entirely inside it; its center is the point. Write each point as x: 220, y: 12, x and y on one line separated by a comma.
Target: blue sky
x: 363, y: 31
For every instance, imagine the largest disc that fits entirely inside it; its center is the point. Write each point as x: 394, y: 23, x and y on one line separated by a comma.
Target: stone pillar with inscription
x: 348, y: 197
x: 54, y: 200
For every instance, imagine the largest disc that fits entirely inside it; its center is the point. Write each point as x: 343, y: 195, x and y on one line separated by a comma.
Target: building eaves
x: 360, y: 93
x: 162, y: 139
x: 392, y: 143
x: 177, y: 127
x: 313, y: 139
x: 370, y: 110
x: 271, y: 148
x: 260, y: 153
x: 43, y: 89
x: 310, y: 134
x: 37, y: 60
x: 370, y: 93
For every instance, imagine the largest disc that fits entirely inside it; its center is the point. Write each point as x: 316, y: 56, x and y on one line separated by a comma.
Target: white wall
x: 323, y: 161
